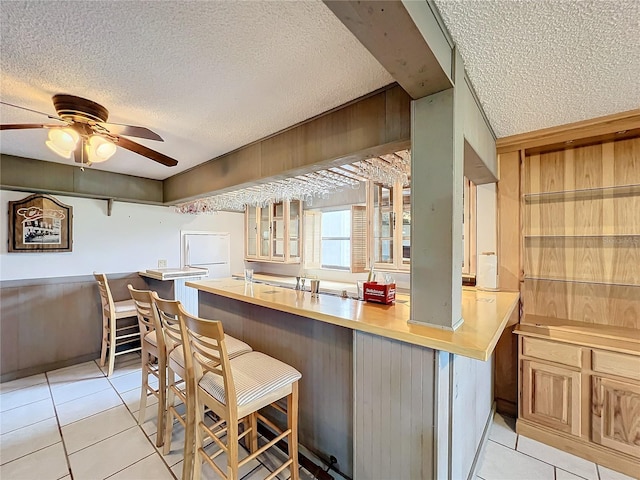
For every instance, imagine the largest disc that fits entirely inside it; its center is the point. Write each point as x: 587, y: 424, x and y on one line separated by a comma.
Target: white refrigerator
x: 208, y: 250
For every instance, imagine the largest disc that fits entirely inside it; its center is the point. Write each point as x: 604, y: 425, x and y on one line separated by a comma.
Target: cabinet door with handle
x: 615, y: 415
x: 551, y: 396
x: 264, y: 233
x: 384, y: 219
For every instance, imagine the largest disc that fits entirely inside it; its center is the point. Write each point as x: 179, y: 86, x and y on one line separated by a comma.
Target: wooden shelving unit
x: 579, y: 339
x: 581, y: 229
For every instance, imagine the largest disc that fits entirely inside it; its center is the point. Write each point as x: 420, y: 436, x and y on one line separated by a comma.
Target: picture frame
x: 40, y: 223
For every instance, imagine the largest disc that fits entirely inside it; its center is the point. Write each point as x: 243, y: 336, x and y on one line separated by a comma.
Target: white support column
x: 437, y: 162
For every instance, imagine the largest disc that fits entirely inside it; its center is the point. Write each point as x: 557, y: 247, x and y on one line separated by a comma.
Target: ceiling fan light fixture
x: 58, y: 150
x: 100, y: 149
x: 64, y: 138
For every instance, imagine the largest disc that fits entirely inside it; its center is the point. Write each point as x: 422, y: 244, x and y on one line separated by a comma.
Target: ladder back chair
x: 234, y: 389
x: 118, y: 330
x: 154, y: 357
x: 168, y: 311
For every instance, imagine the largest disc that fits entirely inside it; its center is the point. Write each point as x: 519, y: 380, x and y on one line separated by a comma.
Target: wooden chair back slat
x: 105, y: 294
x: 202, y: 337
x: 148, y: 318
x: 168, y: 313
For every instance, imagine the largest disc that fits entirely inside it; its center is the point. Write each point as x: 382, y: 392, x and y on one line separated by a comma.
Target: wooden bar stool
x: 168, y: 311
x: 114, y: 334
x: 234, y: 389
x: 153, y: 348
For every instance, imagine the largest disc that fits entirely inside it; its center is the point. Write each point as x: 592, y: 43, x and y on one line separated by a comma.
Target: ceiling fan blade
x: 130, y: 131
x: 21, y: 126
x: 146, y: 152
x: 34, y: 111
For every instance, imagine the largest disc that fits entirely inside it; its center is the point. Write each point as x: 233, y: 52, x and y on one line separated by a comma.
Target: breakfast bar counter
x: 485, y: 314
x: 386, y: 398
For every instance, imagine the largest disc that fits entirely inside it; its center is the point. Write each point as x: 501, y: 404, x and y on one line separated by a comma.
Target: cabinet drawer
x: 553, y: 352
x: 619, y: 364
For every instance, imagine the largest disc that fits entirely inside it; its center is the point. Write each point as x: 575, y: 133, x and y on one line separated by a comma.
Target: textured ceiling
x: 540, y: 63
x: 209, y: 77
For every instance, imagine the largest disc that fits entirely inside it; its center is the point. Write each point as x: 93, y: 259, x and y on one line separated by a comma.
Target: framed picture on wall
x: 40, y: 223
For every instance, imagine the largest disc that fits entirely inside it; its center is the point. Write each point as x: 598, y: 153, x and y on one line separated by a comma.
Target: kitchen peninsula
x: 385, y: 397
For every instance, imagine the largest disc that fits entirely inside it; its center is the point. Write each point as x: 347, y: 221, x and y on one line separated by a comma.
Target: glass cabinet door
x: 295, y: 221
x: 406, y: 226
x: 252, y: 232
x: 277, y: 230
x: 263, y: 232
x: 383, y: 225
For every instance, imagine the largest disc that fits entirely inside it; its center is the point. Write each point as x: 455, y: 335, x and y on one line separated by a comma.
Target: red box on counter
x: 374, y: 292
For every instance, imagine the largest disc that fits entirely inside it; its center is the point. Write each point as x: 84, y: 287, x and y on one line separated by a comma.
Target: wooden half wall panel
x: 51, y: 323
x: 320, y: 351
x: 394, y: 408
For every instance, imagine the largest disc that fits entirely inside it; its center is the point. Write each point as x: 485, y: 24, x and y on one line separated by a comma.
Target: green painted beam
x: 28, y: 174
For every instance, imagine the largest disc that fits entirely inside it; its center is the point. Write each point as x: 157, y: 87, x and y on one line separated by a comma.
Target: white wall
x: 486, y: 218
x: 133, y: 238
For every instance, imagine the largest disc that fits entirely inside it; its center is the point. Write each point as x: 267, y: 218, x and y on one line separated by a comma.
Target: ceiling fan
x: 86, y: 134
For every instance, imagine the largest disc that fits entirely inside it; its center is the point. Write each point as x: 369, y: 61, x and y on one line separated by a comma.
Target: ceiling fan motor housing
x: 79, y: 109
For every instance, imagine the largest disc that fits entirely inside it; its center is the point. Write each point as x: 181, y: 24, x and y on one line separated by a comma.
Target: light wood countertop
x: 164, y: 274
x: 485, y: 314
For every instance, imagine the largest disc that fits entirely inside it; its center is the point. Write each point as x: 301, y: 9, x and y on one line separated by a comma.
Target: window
x: 336, y: 239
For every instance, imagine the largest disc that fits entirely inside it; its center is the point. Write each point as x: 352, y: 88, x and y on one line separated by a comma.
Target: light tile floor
x: 75, y: 423
x: 509, y: 456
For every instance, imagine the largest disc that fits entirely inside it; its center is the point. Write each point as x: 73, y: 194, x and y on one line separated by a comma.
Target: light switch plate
x: 162, y: 264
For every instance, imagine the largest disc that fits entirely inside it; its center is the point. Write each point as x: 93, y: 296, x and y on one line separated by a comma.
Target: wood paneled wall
x: 377, y: 124
x: 394, y: 408
x: 51, y: 323
x: 320, y: 351
x: 582, y: 246
x: 509, y: 278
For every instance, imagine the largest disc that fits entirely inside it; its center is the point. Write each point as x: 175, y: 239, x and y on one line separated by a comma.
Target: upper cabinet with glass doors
x: 390, y: 220
x: 272, y: 233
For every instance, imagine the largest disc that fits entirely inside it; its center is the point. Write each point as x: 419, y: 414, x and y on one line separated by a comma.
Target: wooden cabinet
x: 552, y: 396
x: 615, y: 415
x: 580, y: 390
x: 390, y: 211
x: 273, y: 232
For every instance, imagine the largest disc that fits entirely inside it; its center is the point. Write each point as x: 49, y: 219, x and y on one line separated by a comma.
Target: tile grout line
x: 24, y: 404
x: 156, y: 451
x: 128, y: 466
x: 4, y: 432
x: 575, y: 474
x: 64, y: 446
x: 547, y: 463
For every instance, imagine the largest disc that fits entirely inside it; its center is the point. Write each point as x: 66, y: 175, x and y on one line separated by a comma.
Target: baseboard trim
x: 27, y: 372
x: 483, y: 443
x: 589, y: 451
x: 507, y: 407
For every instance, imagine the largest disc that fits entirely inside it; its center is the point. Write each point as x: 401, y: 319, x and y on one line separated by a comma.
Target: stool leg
x: 145, y: 383
x: 197, y: 460
x: 162, y: 398
x: 292, y: 424
x: 112, y: 348
x: 171, y: 395
x: 105, y: 333
x: 253, y: 435
x: 232, y: 446
x: 190, y: 432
